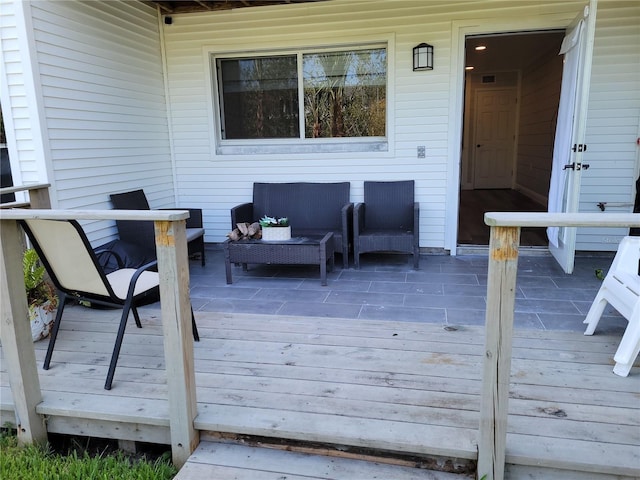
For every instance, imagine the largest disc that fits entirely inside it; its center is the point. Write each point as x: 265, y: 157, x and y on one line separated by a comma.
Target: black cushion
x: 131, y: 255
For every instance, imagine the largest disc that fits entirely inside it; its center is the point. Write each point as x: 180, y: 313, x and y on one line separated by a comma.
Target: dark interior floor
x: 475, y: 203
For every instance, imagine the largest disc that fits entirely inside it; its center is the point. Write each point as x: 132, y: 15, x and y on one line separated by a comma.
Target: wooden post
x: 173, y: 267
x: 39, y: 197
x: 501, y: 286
x: 15, y: 332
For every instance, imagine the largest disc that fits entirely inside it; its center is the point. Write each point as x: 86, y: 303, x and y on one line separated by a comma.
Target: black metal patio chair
x: 75, y: 271
x: 387, y: 220
x: 142, y: 233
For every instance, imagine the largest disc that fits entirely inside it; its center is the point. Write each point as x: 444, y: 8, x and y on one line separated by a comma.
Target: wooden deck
x: 401, y: 388
x: 224, y: 461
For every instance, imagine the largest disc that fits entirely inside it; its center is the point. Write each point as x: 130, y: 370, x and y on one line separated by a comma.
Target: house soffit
x: 191, y: 6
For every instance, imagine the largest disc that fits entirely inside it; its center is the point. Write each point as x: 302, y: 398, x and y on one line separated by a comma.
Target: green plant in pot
x: 274, y: 229
x: 41, y: 296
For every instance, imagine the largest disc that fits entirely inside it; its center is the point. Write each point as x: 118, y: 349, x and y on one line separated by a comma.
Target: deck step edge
x: 224, y: 460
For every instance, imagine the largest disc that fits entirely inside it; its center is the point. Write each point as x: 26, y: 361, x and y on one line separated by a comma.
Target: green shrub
x: 33, y: 462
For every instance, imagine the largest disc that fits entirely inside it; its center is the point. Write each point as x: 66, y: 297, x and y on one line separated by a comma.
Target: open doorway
x: 511, y: 104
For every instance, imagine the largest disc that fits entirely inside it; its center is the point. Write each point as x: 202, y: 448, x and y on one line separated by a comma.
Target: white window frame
x: 299, y: 145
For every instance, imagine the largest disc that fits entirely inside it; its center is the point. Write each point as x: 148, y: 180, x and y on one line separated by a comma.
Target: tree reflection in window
x: 345, y: 93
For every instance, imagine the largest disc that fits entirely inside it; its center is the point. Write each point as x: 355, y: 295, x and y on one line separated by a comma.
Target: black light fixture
x: 423, y: 57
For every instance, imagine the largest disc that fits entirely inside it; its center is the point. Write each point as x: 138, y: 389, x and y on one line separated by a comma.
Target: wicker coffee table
x: 297, y: 251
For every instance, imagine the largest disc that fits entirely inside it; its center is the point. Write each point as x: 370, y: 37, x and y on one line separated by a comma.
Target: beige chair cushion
x: 119, y: 281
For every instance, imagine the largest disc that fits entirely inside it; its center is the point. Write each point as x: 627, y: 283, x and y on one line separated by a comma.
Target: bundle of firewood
x: 246, y: 230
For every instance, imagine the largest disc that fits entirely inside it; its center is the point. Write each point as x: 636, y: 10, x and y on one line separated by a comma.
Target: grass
x: 34, y: 462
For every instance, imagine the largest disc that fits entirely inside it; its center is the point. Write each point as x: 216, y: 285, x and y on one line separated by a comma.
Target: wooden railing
x: 173, y: 269
x: 38, y: 196
x: 501, y: 286
x: 176, y: 315
x: 171, y: 248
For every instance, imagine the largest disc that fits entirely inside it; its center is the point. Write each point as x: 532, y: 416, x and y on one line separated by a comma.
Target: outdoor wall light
x: 422, y: 57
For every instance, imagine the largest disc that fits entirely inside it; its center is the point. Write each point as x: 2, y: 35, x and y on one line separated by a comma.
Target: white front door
x: 494, y: 137
x: 569, y: 146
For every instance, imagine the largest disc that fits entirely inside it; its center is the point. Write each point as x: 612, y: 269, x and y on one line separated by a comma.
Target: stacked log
x: 245, y: 231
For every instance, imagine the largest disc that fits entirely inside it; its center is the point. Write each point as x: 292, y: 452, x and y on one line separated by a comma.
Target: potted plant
x: 41, y: 296
x: 274, y: 229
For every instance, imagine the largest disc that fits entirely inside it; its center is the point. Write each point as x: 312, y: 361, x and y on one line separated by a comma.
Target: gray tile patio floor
x: 448, y: 290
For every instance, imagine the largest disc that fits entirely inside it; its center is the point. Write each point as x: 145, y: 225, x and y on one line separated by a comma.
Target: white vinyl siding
x: 419, y: 115
x: 91, y: 117
x: 15, y: 83
x: 102, y: 88
x: 613, y: 121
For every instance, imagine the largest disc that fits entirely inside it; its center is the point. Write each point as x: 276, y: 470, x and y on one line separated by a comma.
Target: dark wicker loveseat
x: 312, y: 209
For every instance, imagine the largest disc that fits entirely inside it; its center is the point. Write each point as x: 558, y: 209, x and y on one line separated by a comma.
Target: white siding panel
x: 419, y: 103
x: 613, y: 121
x: 103, y: 94
x: 98, y: 85
x: 13, y: 97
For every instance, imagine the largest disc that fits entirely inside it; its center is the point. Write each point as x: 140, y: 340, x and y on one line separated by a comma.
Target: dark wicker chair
x: 142, y: 233
x: 74, y: 269
x: 387, y: 220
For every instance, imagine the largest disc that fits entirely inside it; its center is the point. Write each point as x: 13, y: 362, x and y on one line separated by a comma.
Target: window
x: 259, y: 98
x: 308, y: 95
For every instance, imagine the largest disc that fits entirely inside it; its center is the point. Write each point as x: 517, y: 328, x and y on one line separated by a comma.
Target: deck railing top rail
x: 24, y: 188
x: 38, y: 196
x: 543, y: 219
x: 150, y: 215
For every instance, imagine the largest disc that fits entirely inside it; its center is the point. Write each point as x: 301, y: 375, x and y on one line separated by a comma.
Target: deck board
x: 393, y: 386
x: 236, y: 462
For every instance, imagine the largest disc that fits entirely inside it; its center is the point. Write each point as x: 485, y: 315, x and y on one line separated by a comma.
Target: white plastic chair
x: 621, y: 288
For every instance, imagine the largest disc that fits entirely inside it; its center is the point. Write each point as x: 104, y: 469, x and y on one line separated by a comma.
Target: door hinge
x: 579, y: 147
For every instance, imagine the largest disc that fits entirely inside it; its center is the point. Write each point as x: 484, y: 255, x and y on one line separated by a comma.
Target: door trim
x: 460, y: 29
